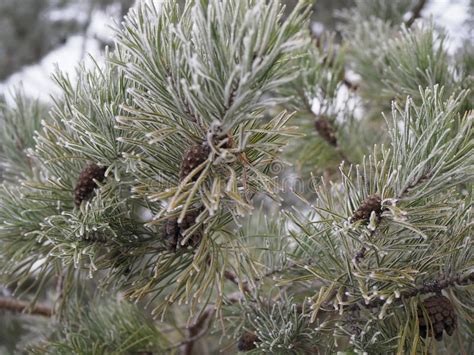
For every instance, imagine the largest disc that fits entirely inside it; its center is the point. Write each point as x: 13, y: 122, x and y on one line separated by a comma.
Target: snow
x: 452, y: 15
x: 36, y: 79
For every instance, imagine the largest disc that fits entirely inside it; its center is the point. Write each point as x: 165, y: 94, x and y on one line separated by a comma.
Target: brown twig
x: 14, y: 305
x: 435, y: 286
x: 277, y: 271
x: 416, y: 12
x: 200, y: 327
x: 197, y: 331
x: 327, y: 131
x: 349, y: 84
x: 343, y: 155
x: 423, y: 178
x: 85, y: 29
x: 229, y: 275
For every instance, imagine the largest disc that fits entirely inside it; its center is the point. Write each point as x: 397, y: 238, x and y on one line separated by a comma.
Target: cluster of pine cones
x: 173, y: 232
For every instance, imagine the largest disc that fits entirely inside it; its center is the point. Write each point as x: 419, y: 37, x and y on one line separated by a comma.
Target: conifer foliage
x: 156, y: 179
x: 87, y: 182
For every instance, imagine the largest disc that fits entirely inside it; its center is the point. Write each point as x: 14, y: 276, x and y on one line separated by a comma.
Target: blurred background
x: 38, y: 35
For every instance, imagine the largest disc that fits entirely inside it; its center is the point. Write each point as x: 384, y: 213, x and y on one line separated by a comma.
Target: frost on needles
x: 159, y: 181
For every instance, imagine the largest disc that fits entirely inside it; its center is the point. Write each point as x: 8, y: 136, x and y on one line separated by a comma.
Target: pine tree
x: 154, y: 194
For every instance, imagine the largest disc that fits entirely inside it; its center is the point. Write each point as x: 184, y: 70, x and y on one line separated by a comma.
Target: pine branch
x: 395, y: 62
x: 435, y: 286
x: 416, y: 182
x: 202, y: 75
x: 103, y: 328
x: 200, y: 327
x: 14, y: 305
x: 361, y: 253
x: 327, y: 131
x: 197, y: 331
x: 287, y: 268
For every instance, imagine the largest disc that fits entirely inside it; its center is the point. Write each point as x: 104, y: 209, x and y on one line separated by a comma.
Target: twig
x: 14, y: 305
x: 200, y: 327
x: 414, y: 184
x: 350, y: 85
x: 429, y: 287
x: 416, y: 12
x: 277, y: 271
x: 229, y: 275
x: 343, y: 155
x: 361, y: 253
x: 327, y: 131
x: 85, y: 29
x: 197, y: 331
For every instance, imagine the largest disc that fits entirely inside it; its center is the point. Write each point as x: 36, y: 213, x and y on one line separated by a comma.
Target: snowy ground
x: 36, y: 79
x: 36, y: 82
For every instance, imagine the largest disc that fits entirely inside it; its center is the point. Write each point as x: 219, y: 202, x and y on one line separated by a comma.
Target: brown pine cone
x: 441, y: 315
x: 173, y: 232
x: 193, y: 157
x: 188, y: 221
x: 85, y: 184
x: 326, y: 130
x: 371, y: 203
x: 247, y: 341
x: 170, y: 233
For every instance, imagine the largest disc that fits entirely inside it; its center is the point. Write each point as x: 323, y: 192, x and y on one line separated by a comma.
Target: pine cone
x: 441, y: 315
x: 247, y: 342
x: 170, y: 233
x: 326, y: 130
x: 194, y: 156
x: 85, y: 185
x: 173, y: 232
x: 371, y: 203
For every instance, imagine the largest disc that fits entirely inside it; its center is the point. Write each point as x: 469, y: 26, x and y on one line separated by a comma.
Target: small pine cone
x: 85, y: 185
x: 188, y: 221
x: 441, y: 315
x: 170, y: 233
x: 247, y: 342
x: 326, y: 130
x: 173, y: 232
x: 371, y: 203
x: 194, y: 156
